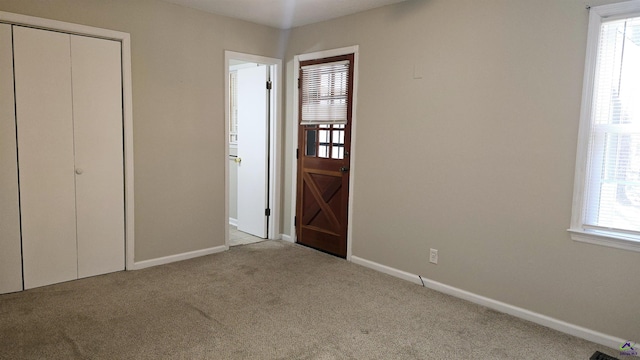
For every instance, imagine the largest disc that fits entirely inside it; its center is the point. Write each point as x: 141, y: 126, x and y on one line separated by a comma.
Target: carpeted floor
x: 271, y: 300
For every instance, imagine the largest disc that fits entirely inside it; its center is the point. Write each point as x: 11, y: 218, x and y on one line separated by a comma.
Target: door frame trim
x: 127, y: 106
x: 294, y: 131
x: 275, y: 147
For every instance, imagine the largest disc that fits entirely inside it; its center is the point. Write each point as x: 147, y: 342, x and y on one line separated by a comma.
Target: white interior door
x: 45, y: 141
x: 68, y: 93
x: 10, y: 252
x: 253, y: 123
x: 97, y: 118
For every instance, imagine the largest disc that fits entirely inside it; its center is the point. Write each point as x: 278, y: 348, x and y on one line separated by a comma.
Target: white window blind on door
x: 325, y: 92
x: 612, y: 183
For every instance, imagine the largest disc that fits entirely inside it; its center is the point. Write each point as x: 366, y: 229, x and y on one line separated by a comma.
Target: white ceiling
x: 284, y: 14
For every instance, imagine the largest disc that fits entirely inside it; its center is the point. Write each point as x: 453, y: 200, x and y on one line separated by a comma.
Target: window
x: 607, y: 188
x: 324, y: 141
x: 325, y: 108
x: 324, y: 93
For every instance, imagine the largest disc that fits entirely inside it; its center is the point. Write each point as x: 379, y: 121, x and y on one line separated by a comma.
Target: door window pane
x: 324, y: 141
x: 311, y: 143
x: 337, y: 144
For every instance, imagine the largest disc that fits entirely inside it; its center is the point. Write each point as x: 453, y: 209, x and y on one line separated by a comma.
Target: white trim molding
x: 294, y: 141
x: 562, y: 326
x: 286, y: 238
x: 127, y: 103
x: 178, y: 257
x: 387, y: 270
x: 233, y: 222
x: 616, y: 10
x: 605, y: 239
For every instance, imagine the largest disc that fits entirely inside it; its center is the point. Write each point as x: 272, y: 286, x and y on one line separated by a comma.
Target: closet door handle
x: 79, y: 171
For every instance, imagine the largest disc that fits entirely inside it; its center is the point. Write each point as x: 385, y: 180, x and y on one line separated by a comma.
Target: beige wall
x: 179, y: 141
x: 476, y: 159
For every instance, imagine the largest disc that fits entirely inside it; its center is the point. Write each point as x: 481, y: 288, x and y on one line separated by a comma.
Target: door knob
x: 238, y: 160
x: 344, y: 169
x: 79, y: 171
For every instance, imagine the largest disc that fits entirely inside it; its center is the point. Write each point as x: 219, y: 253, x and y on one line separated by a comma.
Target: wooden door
x: 323, y: 162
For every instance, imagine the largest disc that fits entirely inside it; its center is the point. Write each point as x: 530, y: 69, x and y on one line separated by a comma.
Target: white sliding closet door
x: 97, y: 114
x: 70, y: 131
x: 46, y: 157
x: 10, y: 253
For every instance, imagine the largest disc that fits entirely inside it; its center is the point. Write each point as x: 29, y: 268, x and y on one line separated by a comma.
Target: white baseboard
x: 178, y: 257
x: 386, y: 269
x: 233, y: 222
x: 286, y: 237
x: 565, y: 327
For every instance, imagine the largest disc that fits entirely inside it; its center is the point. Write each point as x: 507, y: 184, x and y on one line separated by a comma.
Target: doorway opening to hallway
x: 252, y: 95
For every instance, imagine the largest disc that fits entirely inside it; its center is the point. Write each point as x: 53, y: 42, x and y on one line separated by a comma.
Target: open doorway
x: 252, y: 127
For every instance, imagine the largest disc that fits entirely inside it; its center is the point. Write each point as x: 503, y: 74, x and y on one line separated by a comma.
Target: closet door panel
x: 97, y: 113
x: 46, y: 165
x: 10, y: 252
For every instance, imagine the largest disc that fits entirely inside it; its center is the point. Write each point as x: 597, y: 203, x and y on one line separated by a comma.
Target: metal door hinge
x: 269, y: 84
x: 267, y: 212
x: 299, y: 81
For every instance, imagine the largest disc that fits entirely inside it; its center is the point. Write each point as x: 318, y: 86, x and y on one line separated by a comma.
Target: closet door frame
x: 127, y: 104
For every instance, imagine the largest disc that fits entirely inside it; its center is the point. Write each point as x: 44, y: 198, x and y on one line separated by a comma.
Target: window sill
x: 604, y: 238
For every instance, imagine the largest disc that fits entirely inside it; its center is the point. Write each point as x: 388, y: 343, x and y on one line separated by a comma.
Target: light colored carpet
x: 271, y: 300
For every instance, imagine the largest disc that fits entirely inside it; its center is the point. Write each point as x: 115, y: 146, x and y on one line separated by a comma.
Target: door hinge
x: 299, y: 81
x: 267, y: 212
x: 269, y: 84
x: 297, y: 153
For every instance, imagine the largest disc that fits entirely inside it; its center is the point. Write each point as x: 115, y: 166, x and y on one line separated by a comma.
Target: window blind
x: 612, y: 186
x: 325, y: 92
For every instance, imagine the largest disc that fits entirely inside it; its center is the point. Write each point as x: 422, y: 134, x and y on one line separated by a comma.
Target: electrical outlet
x: 433, y: 256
